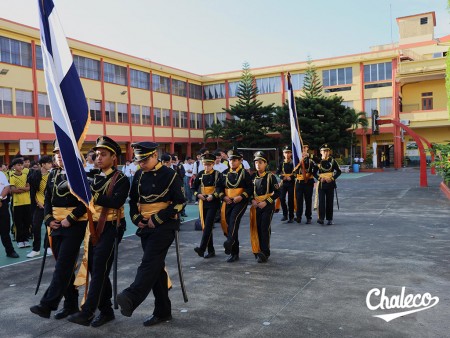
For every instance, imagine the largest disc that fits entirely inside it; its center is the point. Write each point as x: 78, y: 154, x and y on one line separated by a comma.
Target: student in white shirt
x: 5, y: 217
x: 188, y: 168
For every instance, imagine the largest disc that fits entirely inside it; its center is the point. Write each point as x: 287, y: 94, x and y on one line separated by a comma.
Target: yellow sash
x: 205, y: 191
x: 316, y: 197
x: 301, y: 178
x: 147, y: 210
x: 60, y: 213
x: 232, y: 193
x: 110, y: 216
x: 254, y: 239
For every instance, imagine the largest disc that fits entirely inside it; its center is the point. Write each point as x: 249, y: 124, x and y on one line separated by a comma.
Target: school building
x: 133, y: 99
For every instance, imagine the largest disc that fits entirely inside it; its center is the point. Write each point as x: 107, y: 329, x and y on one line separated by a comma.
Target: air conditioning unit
x: 405, y: 122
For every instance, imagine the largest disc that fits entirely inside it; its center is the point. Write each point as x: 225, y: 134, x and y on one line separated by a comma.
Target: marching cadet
x: 207, y: 193
x: 237, y: 187
x: 326, y: 173
x: 110, y: 190
x: 304, y: 186
x: 156, y: 196
x: 265, y: 193
x: 285, y: 171
x: 65, y: 217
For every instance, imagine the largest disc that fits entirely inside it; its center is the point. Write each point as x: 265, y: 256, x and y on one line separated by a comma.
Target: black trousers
x: 288, y: 209
x: 304, y: 192
x: 5, y: 227
x: 151, y: 274
x: 100, y: 259
x: 66, y: 250
x: 38, y: 218
x: 263, y: 221
x: 22, y: 222
x: 233, y: 215
x: 326, y: 199
x: 207, y: 238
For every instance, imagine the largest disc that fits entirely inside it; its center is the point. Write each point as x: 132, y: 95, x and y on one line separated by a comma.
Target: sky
x: 212, y: 36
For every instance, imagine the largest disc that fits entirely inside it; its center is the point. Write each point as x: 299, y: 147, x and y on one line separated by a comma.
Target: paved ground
x: 389, y: 233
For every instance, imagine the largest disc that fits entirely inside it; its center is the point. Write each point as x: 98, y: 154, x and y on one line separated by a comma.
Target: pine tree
x: 312, y: 87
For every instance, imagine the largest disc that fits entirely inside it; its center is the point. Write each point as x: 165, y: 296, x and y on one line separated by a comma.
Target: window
x: 5, y: 101
x: 192, y: 119
x: 369, y: 105
x: 199, y: 118
x: 221, y: 117
x: 268, y: 85
x: 195, y: 91
x: 347, y: 104
x: 139, y: 79
x: 209, y: 120
x: 215, y: 91
x: 165, y: 117
x: 146, y: 118
x: 297, y: 80
x: 110, y: 111
x: 161, y: 84
x: 135, y: 114
x: 424, y: 21
x: 95, y: 108
x: 87, y: 68
x: 122, y: 112
x: 336, y: 77
x: 378, y: 72
x: 427, y: 101
x: 183, y: 117
x: 39, y: 61
x: 178, y: 87
x: 115, y: 74
x: 233, y: 88
x: 157, y: 113
x: 15, y: 52
x: 24, y: 103
x: 385, y: 106
x: 176, y: 119
x: 378, y: 85
x: 43, y: 106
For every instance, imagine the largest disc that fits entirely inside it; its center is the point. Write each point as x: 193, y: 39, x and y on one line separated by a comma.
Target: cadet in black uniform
x: 265, y: 193
x: 66, y: 218
x: 326, y: 173
x: 287, y: 185
x: 236, y: 188
x: 304, y: 186
x: 208, y: 203
x: 156, y: 196
x: 110, y: 190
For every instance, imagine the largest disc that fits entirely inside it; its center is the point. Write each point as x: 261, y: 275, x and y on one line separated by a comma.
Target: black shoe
x: 183, y: 214
x: 298, y: 219
x: 41, y: 311
x: 233, y: 258
x: 64, y: 312
x: 320, y: 221
x: 291, y: 220
x: 210, y: 254
x: 284, y: 219
x: 308, y: 221
x: 227, y: 245
x: 199, y: 251
x: 330, y: 222
x: 102, y: 319
x: 153, y: 320
x: 126, y: 305
x: 81, y: 318
x: 261, y: 258
x: 12, y: 255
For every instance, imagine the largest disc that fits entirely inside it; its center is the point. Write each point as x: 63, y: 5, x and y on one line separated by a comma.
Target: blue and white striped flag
x: 67, y: 101
x: 297, y: 148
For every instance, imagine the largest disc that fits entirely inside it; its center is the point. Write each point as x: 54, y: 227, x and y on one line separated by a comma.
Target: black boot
x: 81, y: 318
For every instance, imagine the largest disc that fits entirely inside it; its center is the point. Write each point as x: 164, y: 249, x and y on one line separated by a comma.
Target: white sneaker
x: 21, y: 245
x: 26, y: 244
x: 33, y: 253
x: 49, y: 252
x: 196, y: 203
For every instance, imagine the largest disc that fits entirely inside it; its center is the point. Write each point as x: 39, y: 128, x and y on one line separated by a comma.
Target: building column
x: 172, y: 147
x: 364, y: 146
x: 129, y: 150
x: 398, y: 145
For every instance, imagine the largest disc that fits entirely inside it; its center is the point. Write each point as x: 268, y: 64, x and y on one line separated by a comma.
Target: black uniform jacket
x: 236, y: 179
x: 204, y: 179
x: 266, y: 184
x: 327, y: 166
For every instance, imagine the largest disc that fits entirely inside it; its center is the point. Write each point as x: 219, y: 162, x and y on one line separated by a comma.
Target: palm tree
x: 357, y: 120
x: 215, y: 131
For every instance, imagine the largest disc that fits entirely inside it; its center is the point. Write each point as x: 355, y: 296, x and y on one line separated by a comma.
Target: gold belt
x: 208, y: 190
x: 148, y: 209
x: 326, y: 175
x: 60, y: 213
x: 300, y: 177
x: 262, y: 197
x: 232, y: 193
x: 110, y: 216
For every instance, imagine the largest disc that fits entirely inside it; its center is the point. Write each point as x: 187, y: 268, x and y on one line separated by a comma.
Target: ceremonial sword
x: 180, y: 269
x: 46, y: 243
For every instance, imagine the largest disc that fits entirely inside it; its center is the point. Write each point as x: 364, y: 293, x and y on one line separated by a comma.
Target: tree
x: 216, y: 131
x: 357, y: 120
x: 251, y: 121
x: 312, y: 87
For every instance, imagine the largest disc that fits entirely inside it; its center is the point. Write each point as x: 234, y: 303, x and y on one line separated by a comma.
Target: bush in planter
x: 442, y: 161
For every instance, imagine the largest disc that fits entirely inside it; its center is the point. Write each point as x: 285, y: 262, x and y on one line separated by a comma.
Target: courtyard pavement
x: 389, y: 233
